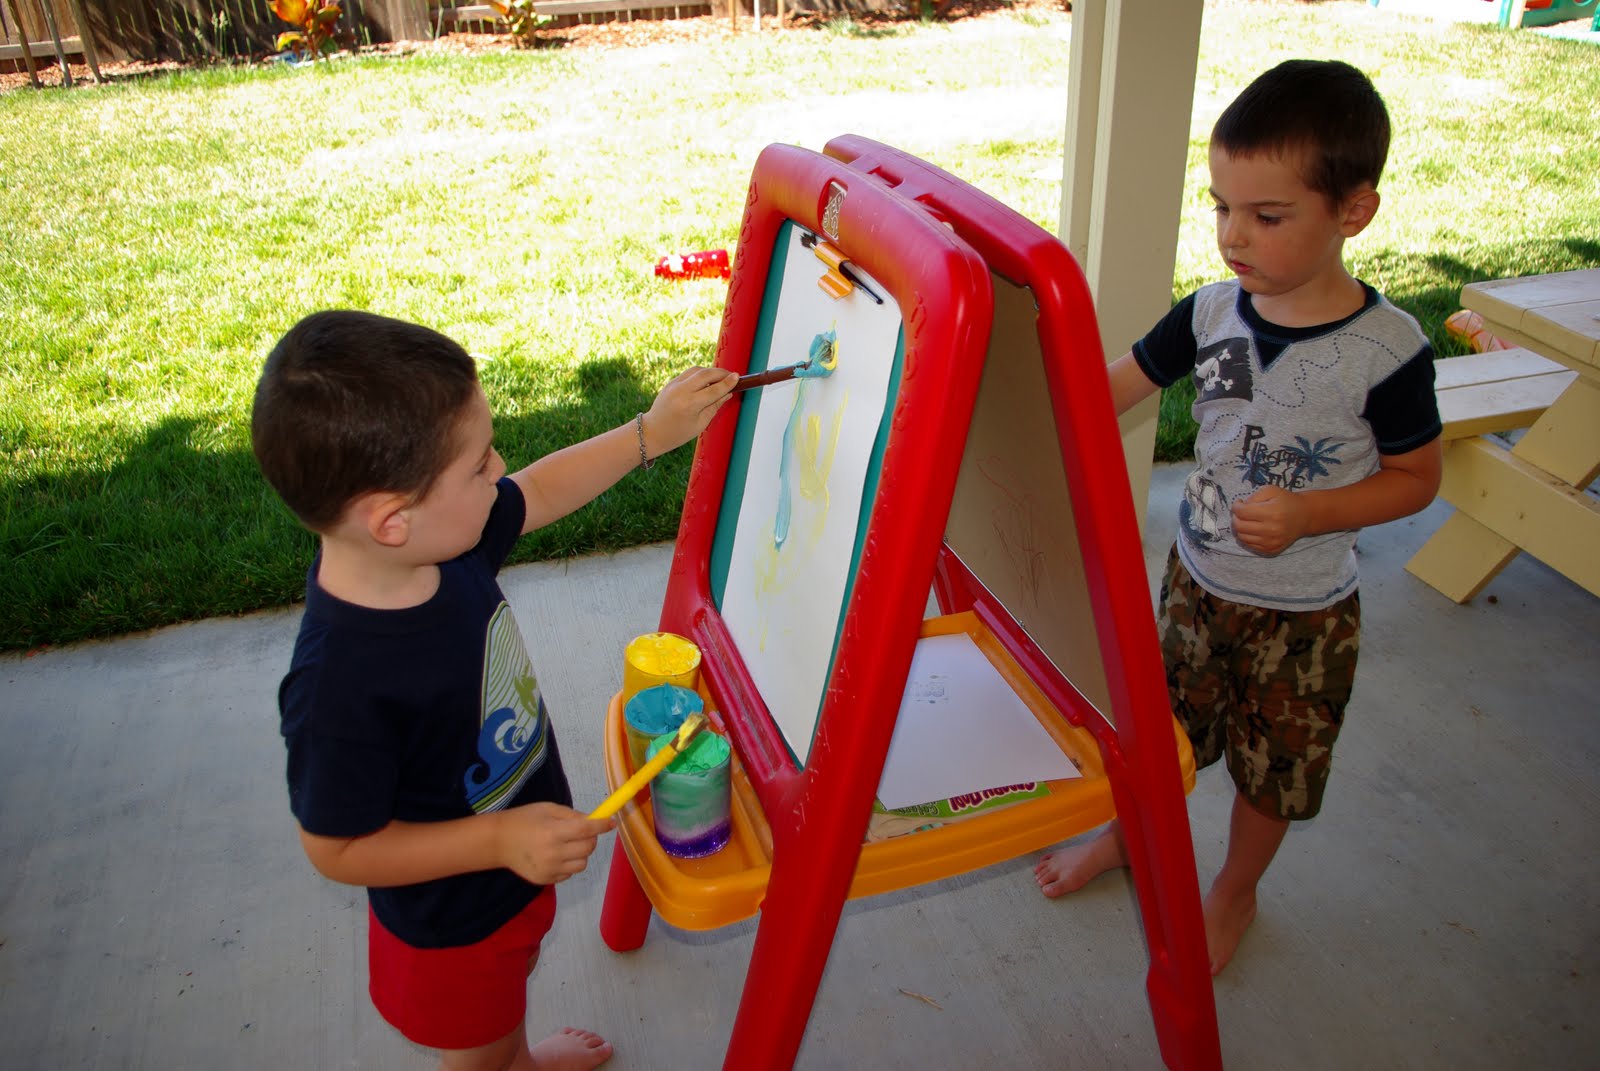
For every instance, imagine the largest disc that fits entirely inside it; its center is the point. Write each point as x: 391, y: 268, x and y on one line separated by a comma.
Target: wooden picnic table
x: 1533, y: 496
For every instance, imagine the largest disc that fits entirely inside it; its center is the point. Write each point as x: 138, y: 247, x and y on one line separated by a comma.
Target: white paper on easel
x: 789, y: 567
x: 963, y: 729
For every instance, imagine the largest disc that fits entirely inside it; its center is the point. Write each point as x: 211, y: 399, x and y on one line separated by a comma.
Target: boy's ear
x: 385, y: 516
x: 1359, y: 208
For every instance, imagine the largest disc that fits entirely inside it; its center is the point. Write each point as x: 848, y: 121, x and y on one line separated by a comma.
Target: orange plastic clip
x: 829, y: 255
x: 833, y: 284
x: 839, y: 280
x: 833, y: 281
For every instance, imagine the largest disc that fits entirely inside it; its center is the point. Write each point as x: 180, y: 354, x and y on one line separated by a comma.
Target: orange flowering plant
x: 522, y: 19
x: 315, y: 20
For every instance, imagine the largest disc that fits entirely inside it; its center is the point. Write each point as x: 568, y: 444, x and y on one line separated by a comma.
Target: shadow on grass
x: 642, y: 508
x: 175, y: 531
x: 1431, y: 287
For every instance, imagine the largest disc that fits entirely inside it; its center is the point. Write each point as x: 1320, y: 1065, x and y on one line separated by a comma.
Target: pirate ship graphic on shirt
x: 1203, y: 513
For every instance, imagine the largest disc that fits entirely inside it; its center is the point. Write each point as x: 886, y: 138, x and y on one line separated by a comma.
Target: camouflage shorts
x: 1267, y: 688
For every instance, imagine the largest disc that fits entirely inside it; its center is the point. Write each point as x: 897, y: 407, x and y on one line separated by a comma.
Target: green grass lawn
x: 160, y: 235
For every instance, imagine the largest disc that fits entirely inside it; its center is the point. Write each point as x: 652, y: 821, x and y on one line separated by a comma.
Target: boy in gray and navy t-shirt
x: 1317, y: 415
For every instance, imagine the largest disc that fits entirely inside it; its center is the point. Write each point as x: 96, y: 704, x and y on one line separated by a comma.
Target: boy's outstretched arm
x: 543, y: 842
x: 570, y: 478
x: 1129, y: 384
x: 1272, y: 518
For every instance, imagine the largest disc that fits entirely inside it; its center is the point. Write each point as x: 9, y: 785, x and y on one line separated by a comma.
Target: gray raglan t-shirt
x: 1301, y: 408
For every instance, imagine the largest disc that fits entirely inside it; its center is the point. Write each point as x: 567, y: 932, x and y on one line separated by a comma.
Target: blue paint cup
x: 655, y: 711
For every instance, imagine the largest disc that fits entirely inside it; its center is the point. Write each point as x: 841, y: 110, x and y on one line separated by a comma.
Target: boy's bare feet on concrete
x: 571, y: 1050
x: 1227, y: 917
x: 1230, y: 906
x: 1069, y: 869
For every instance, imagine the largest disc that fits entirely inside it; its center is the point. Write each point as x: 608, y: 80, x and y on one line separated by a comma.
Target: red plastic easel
x: 971, y: 278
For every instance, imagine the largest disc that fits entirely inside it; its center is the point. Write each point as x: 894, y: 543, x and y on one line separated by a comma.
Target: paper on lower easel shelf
x: 884, y: 823
x: 962, y: 729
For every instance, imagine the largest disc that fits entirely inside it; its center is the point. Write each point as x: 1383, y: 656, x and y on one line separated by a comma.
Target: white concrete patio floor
x: 1443, y: 912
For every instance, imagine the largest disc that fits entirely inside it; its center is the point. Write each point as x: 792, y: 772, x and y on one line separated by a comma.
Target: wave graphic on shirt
x: 514, y: 731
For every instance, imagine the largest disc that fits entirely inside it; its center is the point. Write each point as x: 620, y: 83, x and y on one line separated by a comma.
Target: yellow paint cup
x: 658, y: 658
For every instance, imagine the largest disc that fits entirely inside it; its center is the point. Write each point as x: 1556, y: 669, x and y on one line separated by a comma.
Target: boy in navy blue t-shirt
x: 421, y: 761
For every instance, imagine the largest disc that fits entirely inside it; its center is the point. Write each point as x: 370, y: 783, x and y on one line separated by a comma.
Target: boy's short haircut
x: 349, y: 403
x: 1325, y: 109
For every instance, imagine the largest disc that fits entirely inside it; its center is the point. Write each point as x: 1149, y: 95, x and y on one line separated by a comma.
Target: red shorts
x: 458, y: 998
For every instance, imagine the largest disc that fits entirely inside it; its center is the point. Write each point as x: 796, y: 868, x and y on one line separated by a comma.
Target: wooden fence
x: 472, y: 14
x: 24, y: 20
x: 229, y: 29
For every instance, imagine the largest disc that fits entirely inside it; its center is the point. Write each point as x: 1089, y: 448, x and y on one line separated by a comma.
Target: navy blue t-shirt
x: 422, y: 715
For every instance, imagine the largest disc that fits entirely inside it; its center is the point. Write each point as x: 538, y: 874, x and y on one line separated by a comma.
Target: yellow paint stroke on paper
x: 805, y: 467
x: 816, y: 463
x: 811, y: 455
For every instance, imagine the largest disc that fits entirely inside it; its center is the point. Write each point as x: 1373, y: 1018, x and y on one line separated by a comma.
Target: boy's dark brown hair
x: 1325, y: 110
x: 349, y: 403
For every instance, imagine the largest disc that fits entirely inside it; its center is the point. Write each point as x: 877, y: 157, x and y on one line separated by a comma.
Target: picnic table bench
x: 1498, y: 391
x: 1533, y: 496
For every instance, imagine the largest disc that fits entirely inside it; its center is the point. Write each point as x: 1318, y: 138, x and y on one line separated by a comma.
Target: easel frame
x: 936, y: 259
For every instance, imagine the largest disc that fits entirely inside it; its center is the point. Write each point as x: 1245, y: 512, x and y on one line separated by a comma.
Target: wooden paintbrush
x: 658, y: 762
x: 824, y: 356
x: 771, y: 375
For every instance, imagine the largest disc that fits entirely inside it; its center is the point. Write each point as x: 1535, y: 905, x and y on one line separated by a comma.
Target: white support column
x: 1130, y: 97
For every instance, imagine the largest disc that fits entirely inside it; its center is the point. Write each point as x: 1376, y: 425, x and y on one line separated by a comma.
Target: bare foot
x: 1069, y: 869
x: 1226, y: 917
x: 571, y: 1050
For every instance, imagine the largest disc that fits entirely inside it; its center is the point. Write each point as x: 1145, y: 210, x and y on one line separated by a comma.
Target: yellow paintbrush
x: 658, y: 762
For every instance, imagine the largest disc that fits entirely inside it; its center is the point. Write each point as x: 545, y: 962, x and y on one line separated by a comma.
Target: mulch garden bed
x: 619, y: 33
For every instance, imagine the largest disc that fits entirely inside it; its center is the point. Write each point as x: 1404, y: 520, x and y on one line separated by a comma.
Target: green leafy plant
x: 220, y: 24
x: 521, y: 19
x: 317, y: 22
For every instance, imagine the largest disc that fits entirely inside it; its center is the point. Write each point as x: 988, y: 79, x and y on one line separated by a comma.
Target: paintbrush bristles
x: 690, y: 729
